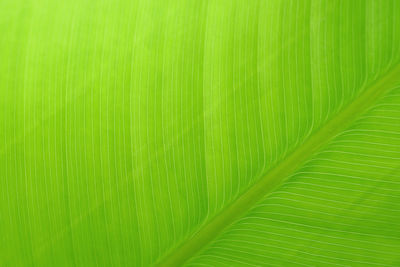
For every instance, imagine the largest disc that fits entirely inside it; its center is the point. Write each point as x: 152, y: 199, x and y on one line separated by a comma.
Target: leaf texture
x: 129, y: 127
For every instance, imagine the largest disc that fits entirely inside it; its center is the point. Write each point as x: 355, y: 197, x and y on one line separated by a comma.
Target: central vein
x: 273, y: 178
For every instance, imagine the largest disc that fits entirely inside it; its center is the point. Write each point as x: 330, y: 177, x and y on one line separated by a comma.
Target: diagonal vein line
x: 272, y: 179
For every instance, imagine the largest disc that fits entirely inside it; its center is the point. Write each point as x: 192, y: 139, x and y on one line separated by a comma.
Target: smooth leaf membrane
x: 129, y: 128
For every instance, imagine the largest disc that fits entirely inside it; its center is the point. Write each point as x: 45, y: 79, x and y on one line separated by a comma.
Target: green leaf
x: 199, y: 133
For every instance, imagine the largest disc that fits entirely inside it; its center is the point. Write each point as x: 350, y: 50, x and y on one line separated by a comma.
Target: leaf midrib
x: 275, y: 176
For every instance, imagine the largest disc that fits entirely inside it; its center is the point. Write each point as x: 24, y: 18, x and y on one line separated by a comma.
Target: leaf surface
x: 204, y: 133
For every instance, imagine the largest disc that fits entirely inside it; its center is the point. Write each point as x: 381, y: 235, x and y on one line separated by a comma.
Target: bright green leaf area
x: 199, y: 133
